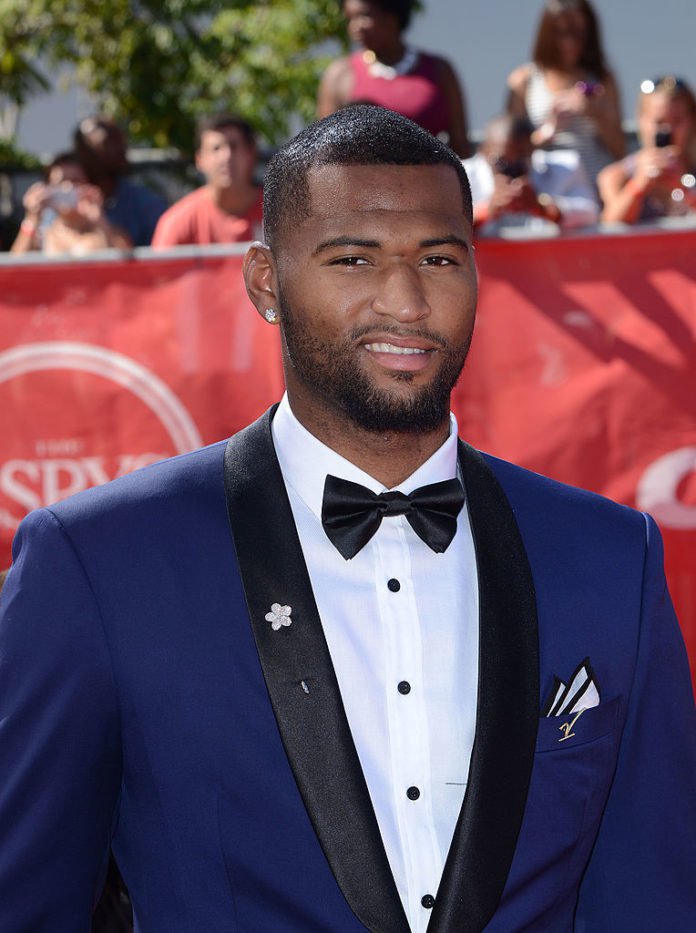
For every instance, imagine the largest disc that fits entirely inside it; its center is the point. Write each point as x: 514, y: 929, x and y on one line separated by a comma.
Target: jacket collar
x: 305, y: 461
x: 313, y: 724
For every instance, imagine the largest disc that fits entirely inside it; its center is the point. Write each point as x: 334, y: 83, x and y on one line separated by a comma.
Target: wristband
x: 28, y: 227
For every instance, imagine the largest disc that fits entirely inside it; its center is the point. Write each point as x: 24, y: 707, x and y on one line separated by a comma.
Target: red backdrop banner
x: 582, y: 368
x: 105, y: 367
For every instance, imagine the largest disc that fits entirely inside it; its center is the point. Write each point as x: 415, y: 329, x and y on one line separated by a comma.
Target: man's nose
x: 401, y: 295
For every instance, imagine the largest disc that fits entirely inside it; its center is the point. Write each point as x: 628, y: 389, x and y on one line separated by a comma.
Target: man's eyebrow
x: 346, y: 241
x: 449, y: 240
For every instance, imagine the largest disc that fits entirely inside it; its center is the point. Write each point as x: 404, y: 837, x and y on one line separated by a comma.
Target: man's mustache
x: 405, y: 333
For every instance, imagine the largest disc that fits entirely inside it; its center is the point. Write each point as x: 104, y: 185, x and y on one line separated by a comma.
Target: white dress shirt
x: 401, y: 623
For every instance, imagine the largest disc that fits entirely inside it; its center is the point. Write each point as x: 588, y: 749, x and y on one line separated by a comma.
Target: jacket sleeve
x: 642, y: 872
x: 60, y: 759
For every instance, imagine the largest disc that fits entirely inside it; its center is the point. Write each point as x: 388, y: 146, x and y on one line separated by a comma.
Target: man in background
x: 515, y: 185
x: 228, y: 207
x: 101, y: 147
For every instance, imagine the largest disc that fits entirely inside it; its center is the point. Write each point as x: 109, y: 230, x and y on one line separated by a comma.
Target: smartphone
x: 663, y: 137
x: 590, y: 88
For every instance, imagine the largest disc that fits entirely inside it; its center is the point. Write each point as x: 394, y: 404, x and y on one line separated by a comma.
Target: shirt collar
x: 305, y: 461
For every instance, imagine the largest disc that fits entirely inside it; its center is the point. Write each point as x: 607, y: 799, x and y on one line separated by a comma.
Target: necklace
x: 379, y: 70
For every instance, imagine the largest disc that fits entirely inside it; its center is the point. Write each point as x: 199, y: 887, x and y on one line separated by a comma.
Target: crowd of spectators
x: 555, y: 158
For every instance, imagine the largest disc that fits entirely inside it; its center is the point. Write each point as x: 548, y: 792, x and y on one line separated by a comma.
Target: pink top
x: 416, y: 95
x: 196, y: 219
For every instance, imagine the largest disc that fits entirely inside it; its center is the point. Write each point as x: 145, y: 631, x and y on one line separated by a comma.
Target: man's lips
x: 402, y: 354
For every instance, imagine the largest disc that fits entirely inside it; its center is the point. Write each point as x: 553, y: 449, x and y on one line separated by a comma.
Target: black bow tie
x: 351, y: 514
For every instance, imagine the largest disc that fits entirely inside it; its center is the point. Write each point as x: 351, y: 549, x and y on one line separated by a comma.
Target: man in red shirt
x: 228, y: 208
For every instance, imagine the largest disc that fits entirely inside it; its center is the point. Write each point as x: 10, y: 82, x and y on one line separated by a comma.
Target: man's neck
x: 236, y: 201
x: 389, y: 457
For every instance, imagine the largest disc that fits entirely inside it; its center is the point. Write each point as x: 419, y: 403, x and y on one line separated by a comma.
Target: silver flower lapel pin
x: 279, y: 616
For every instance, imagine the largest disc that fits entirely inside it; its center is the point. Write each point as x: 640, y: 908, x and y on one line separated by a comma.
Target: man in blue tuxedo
x: 344, y: 672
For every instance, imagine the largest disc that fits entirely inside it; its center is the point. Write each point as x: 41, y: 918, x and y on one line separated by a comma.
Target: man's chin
x: 406, y: 412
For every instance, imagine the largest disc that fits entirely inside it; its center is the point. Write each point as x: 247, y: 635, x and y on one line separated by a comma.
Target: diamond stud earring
x: 271, y: 315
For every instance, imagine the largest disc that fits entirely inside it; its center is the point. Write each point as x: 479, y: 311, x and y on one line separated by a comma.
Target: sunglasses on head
x: 664, y: 82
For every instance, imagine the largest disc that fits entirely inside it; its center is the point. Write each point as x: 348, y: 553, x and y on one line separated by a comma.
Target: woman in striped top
x: 566, y: 91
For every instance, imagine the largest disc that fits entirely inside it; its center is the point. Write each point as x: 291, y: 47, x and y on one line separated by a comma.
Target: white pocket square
x: 580, y: 693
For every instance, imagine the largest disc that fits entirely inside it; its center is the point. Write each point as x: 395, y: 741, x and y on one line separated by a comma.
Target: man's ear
x: 261, y: 280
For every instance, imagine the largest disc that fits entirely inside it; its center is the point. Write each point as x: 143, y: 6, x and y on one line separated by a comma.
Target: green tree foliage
x: 158, y: 64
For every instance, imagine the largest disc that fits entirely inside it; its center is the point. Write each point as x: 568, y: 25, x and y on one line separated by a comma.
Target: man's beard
x: 331, y: 370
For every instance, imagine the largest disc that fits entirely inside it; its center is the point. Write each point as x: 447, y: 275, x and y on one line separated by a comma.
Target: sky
x: 484, y: 40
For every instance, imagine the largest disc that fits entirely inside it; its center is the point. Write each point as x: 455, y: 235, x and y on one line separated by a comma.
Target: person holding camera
x: 513, y: 185
x: 65, y: 214
x: 659, y: 180
x: 567, y: 91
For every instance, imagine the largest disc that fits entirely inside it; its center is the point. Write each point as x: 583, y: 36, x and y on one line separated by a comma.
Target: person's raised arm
x: 333, y: 88
x: 34, y: 202
x: 623, y: 194
x: 517, y: 83
x: 456, y: 110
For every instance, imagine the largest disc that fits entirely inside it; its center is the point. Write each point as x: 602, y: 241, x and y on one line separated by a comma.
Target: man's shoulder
x: 186, y: 207
x: 193, y: 201
x: 186, y: 221
x: 540, y: 500
x: 158, y: 487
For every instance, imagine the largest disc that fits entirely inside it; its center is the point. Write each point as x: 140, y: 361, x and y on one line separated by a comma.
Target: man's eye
x: 349, y: 261
x: 439, y: 261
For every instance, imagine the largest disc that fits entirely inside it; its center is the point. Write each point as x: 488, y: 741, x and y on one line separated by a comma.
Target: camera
x: 62, y: 199
x: 511, y: 169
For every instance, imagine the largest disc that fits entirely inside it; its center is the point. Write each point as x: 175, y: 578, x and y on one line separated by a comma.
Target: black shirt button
x: 404, y: 687
x: 394, y: 585
x: 413, y: 793
x: 428, y: 901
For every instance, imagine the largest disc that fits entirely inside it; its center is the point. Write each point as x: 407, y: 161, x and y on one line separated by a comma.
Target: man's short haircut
x: 402, y: 9
x: 354, y: 135
x: 214, y: 122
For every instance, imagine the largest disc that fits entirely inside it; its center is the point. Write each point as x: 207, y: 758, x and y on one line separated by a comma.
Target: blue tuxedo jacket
x: 146, y: 704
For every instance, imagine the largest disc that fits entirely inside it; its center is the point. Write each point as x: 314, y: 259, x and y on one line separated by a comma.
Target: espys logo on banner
x: 53, y: 393
x: 658, y: 490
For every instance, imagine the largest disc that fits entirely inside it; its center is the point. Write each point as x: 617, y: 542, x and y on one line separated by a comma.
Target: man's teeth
x: 390, y: 348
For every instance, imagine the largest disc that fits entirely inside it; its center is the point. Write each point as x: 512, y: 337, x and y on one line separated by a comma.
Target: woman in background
x: 660, y: 179
x: 388, y: 72
x: 566, y: 91
x: 65, y: 214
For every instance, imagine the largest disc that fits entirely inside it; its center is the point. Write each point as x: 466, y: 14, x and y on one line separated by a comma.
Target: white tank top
x: 580, y: 134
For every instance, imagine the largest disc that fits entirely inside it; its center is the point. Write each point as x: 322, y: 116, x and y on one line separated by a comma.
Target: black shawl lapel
x: 301, y: 681
x: 508, y: 709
